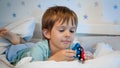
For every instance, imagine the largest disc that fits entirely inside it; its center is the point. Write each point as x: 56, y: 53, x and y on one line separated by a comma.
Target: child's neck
x: 53, y: 50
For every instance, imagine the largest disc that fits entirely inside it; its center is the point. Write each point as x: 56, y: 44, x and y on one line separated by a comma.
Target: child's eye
x: 61, y: 30
x: 72, y: 31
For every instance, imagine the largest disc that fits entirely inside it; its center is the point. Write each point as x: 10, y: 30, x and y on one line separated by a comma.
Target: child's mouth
x: 66, y: 41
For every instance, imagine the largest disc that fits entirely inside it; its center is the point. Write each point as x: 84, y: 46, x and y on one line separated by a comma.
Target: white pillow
x: 24, y: 28
x: 3, y: 44
x: 111, y: 60
x: 102, y: 49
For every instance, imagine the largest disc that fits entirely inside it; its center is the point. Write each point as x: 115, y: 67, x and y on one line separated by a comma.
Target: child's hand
x: 63, y: 55
x: 2, y: 32
x: 88, y: 55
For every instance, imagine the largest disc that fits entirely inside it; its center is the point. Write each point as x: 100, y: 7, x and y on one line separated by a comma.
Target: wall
x: 89, y: 12
x: 95, y: 16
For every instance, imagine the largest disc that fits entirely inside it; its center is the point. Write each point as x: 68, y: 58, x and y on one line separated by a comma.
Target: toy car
x: 79, y: 52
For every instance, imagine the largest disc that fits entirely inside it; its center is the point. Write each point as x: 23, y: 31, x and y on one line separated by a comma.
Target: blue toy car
x: 79, y: 52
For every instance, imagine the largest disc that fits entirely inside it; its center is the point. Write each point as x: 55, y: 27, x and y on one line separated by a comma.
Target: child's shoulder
x: 43, y: 44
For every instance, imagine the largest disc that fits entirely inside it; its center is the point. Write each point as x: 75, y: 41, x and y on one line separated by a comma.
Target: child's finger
x: 70, y: 51
x: 2, y: 29
x: 69, y: 58
x: 70, y: 54
x: 2, y: 32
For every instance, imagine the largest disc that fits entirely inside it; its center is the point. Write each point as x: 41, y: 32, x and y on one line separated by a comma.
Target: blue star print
x: 115, y: 7
x: 39, y: 6
x: 85, y: 16
x: 14, y: 15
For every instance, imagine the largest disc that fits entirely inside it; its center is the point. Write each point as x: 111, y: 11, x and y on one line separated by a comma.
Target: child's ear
x: 46, y: 33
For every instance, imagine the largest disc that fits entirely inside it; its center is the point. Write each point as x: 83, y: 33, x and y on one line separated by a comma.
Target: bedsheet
x: 4, y: 63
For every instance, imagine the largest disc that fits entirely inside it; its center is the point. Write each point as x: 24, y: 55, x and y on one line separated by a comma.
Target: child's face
x: 62, y: 35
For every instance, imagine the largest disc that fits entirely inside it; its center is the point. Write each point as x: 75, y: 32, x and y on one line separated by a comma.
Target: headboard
x: 88, y: 41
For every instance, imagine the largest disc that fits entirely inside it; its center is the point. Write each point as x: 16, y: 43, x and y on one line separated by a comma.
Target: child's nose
x: 67, y: 33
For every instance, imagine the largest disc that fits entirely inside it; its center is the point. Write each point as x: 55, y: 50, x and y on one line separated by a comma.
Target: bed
x: 105, y: 57
x: 106, y: 49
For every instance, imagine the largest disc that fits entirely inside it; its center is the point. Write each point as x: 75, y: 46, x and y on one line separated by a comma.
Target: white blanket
x: 111, y: 60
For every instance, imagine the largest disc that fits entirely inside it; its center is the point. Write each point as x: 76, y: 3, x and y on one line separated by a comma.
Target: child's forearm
x: 14, y: 39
